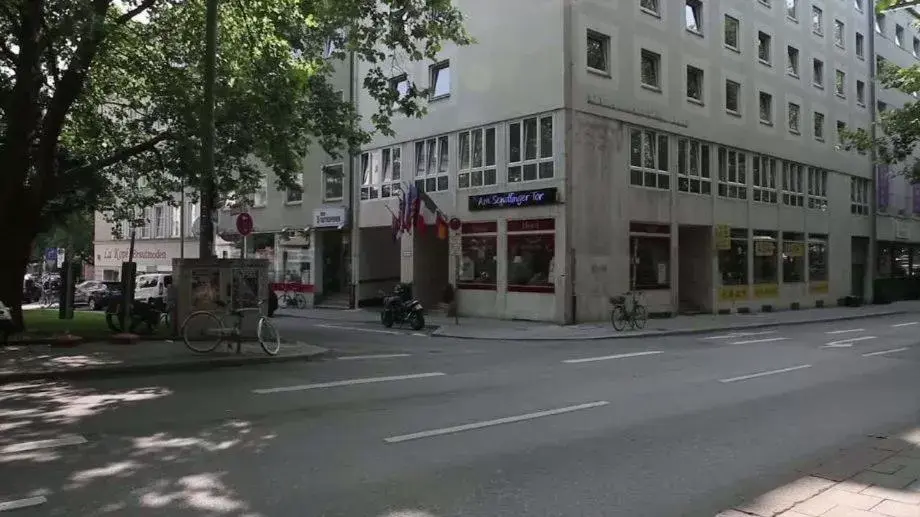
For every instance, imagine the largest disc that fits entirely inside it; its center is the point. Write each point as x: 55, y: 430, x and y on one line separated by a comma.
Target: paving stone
x: 897, y: 509
x: 732, y: 513
x: 843, y: 511
x: 850, y: 462
x: 815, y: 506
x: 785, y: 497
x: 902, y: 496
x: 889, y: 466
x: 893, y: 481
x: 851, y: 485
x: 792, y: 513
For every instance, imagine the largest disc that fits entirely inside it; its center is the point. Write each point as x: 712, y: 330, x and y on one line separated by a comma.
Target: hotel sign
x: 516, y: 199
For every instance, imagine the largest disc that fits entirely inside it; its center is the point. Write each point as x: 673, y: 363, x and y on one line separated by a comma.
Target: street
x: 402, y: 424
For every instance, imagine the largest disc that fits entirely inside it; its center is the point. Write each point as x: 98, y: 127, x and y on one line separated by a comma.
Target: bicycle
x: 289, y: 300
x: 200, y: 325
x: 49, y: 298
x: 628, y: 310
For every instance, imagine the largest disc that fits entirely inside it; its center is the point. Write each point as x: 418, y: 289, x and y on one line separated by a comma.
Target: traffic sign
x: 244, y: 224
x: 454, y: 223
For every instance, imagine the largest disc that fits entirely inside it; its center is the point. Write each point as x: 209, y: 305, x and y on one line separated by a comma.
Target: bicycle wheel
x: 268, y: 336
x: 618, y: 318
x: 639, y: 317
x: 199, y: 330
x: 301, y: 301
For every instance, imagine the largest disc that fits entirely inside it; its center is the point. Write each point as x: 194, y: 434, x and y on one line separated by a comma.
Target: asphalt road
x: 405, y: 425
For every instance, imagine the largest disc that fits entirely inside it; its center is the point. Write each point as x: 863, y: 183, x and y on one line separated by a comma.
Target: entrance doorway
x: 334, y: 255
x: 694, y: 261
x: 859, y: 257
x: 431, y: 267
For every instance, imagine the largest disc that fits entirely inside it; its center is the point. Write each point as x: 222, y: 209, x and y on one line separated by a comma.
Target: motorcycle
x: 145, y: 317
x: 401, y: 308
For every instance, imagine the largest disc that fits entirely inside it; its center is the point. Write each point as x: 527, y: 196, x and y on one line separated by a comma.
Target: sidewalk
x: 505, y: 330
x: 28, y: 362
x: 880, y: 478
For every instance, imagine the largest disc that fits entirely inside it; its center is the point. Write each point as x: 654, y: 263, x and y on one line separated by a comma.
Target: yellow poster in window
x: 818, y: 287
x: 764, y: 291
x: 723, y: 237
x: 794, y: 249
x: 731, y: 293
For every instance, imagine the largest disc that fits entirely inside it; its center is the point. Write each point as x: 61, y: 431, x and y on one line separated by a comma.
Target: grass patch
x: 86, y: 324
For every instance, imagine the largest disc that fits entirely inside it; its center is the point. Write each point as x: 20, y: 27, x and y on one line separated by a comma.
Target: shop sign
x: 472, y: 228
x: 517, y: 199
x: 794, y: 249
x: 764, y: 248
x: 818, y: 287
x: 330, y: 217
x: 121, y: 254
x: 762, y: 291
x: 730, y: 293
x: 723, y: 237
x: 531, y: 225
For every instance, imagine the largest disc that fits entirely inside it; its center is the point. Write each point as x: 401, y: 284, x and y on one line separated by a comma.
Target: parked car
x: 96, y: 295
x: 152, y: 287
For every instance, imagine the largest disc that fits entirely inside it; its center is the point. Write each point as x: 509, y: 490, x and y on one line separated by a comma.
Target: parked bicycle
x: 292, y: 300
x: 628, y: 310
x: 49, y: 298
x: 203, y: 331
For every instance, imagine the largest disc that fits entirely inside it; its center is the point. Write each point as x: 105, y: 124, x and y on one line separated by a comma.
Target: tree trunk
x: 15, y: 258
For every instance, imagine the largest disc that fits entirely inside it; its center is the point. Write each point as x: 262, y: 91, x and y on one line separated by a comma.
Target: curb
x: 126, y: 370
x: 664, y: 333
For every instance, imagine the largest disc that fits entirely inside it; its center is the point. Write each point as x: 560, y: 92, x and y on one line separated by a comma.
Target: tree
x: 115, y: 87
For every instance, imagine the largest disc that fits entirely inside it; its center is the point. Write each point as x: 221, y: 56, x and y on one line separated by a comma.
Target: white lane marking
x: 608, y: 357
x: 741, y: 334
x: 359, y: 329
x: 846, y: 343
x: 419, y: 334
x: 350, y: 382
x: 69, y: 439
x: 765, y: 340
x: 489, y: 423
x: 884, y: 352
x: 844, y: 331
x: 764, y: 374
x: 906, y: 324
x: 16, y: 504
x: 378, y: 356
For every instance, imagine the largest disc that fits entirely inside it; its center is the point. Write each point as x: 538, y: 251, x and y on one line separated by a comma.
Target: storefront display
x: 650, y: 255
x: 479, y: 257
x: 531, y: 255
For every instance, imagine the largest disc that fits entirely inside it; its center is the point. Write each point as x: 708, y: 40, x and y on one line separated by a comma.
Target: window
x: 432, y: 164
x: 794, y: 116
x: 793, y: 191
x: 333, y: 183
x: 477, y: 158
x: 792, y: 9
x: 370, y: 176
x: 733, y: 262
x: 817, y: 73
x: 840, y: 83
x: 916, y: 47
x: 693, y: 167
x: 819, y: 126
x: 650, y: 6
x: 175, y: 230
x: 766, y: 108
x: 391, y: 164
x: 841, y: 127
x: 294, y: 195
x: 792, y: 61
x: 440, y: 80
x: 650, y: 249
x: 817, y: 258
x: 881, y: 106
x: 694, y: 84
x: 732, y: 28
x: 400, y: 84
x: 899, y: 36
x: 859, y: 196
x: 648, y: 159
x: 479, y: 256
x: 880, y: 23
x: 763, y: 178
x: 817, y: 188
x: 598, y: 52
x: 860, y: 46
x: 159, y: 221
x: 260, y: 196
x: 694, y: 16
x: 531, y: 256
x: 732, y: 94
x: 530, y: 152
x: 732, y: 173
x: 764, y: 42
x: 793, y: 258
x: 858, y: 4
x: 765, y: 257
x: 839, y: 33
x: 651, y: 69
x: 861, y: 93
x: 817, y: 20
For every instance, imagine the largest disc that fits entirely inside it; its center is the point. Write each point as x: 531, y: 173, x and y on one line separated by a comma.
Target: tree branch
x: 128, y: 16
x: 122, y: 154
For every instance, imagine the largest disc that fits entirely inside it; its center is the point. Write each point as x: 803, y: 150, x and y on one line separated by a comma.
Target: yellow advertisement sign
x: 764, y: 248
x: 794, y: 249
x: 762, y: 291
x: 723, y: 237
x: 730, y: 293
x: 818, y: 287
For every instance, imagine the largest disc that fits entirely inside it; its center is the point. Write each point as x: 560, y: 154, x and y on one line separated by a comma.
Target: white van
x: 152, y: 287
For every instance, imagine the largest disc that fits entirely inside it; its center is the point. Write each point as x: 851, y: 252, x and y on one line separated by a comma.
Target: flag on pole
x: 410, y: 205
x: 420, y: 223
x: 441, y: 225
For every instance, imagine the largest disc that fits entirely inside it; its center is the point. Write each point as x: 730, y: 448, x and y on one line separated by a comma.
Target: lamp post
x: 208, y: 187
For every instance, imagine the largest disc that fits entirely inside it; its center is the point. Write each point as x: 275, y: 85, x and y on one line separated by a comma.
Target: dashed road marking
x: 752, y: 341
x: 764, y: 374
x: 349, y: 382
x: 489, y: 423
x: 847, y: 343
x: 377, y: 356
x: 16, y: 504
x: 609, y: 357
x: 740, y: 334
x: 885, y: 352
x: 70, y: 439
x: 845, y: 331
x: 909, y: 323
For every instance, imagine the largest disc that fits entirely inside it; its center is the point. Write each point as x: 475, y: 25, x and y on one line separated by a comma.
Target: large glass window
x: 817, y: 188
x: 370, y: 176
x: 650, y: 254
x: 793, y: 191
x: 764, y: 176
x: 477, y: 158
x: 793, y: 258
x: 733, y: 261
x: 648, y: 159
x: 817, y: 258
x: 531, y: 255
x: 732, y: 173
x: 766, y: 261
x: 333, y: 188
x: 391, y: 171
x: 432, y: 164
x: 693, y: 164
x: 479, y: 259
x: 530, y: 149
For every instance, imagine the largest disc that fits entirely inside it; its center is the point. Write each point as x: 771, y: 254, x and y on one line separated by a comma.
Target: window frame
x: 654, y: 7
x: 650, y: 146
x: 768, y: 97
x: 840, y: 30
x: 325, y: 174
x: 736, y: 46
x: 655, y: 58
x: 817, y: 73
x: 469, y: 172
x: 434, y: 73
x: 604, y: 41
x: 687, y: 162
x: 511, y: 238
x: 793, y: 191
x: 794, y: 108
x: 696, y: 8
x: 793, y: 7
x: 539, y: 160
x: 763, y: 179
x: 840, y: 83
x: 793, y: 60
x: 859, y: 196
x: 817, y: 20
x: 764, y: 48
x: 433, y: 175
x: 860, y: 43
x: 731, y: 84
x: 817, y: 188
x: 732, y: 183
x: 819, y: 122
x: 701, y: 74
